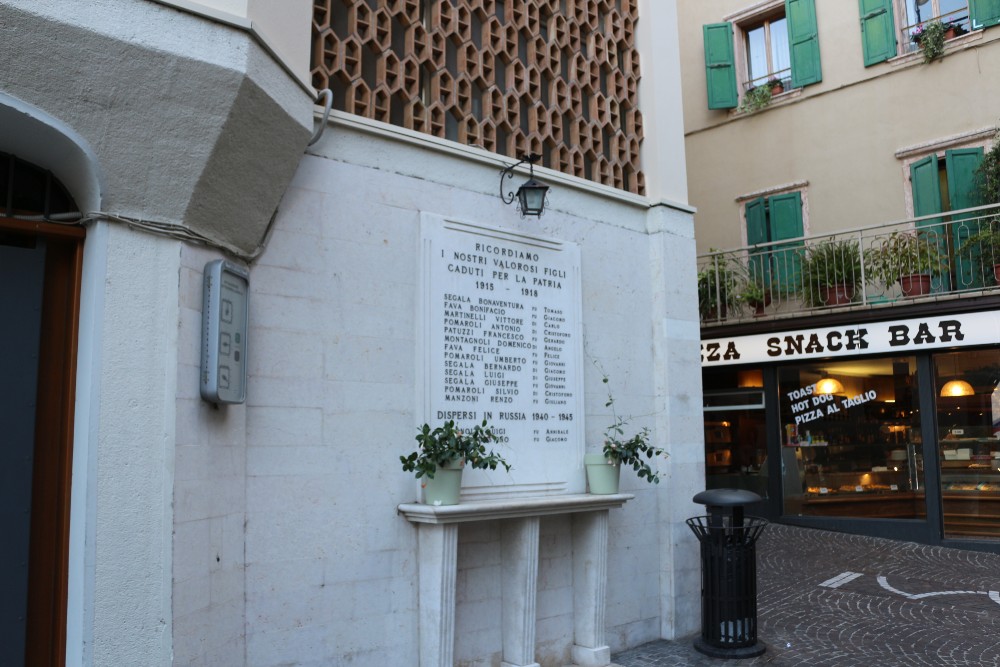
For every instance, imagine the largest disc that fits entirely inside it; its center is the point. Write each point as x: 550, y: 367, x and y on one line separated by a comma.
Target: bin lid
x: 726, y: 497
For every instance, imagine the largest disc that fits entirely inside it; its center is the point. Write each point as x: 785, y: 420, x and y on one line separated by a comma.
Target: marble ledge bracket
x: 437, y: 542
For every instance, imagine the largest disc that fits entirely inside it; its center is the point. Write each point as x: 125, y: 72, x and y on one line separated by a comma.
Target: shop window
x: 941, y: 185
x: 968, y: 419
x: 735, y: 437
x: 777, y: 41
x: 851, y: 439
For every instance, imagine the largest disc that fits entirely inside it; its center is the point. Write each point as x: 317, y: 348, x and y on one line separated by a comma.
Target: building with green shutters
x: 843, y: 158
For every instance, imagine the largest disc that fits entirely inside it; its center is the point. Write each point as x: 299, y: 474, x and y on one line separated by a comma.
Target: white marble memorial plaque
x: 501, y: 337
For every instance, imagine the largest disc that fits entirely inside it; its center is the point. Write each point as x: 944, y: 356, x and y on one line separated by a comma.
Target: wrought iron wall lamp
x: 531, y: 195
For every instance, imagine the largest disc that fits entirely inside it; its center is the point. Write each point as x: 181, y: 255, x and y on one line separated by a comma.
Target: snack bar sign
x: 851, y: 340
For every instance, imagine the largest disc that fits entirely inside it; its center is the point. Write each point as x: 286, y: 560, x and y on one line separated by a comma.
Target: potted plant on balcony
x: 776, y: 85
x: 830, y: 271
x: 930, y: 37
x: 755, y: 99
x: 604, y: 469
x: 443, y: 452
x: 717, y: 287
x: 909, y: 258
x: 756, y: 295
x: 984, y: 249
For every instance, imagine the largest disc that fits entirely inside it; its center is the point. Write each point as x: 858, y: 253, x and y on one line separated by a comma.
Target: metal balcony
x: 944, y: 256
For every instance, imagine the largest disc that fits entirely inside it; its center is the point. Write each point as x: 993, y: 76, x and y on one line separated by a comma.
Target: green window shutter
x: 925, y: 184
x: 961, y: 165
x: 756, y: 222
x: 803, y: 42
x: 756, y: 213
x: 878, y: 30
x: 785, y: 217
x: 984, y: 13
x: 720, y: 66
x: 926, y: 187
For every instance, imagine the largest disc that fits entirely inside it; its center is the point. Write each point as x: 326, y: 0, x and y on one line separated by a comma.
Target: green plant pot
x: 602, y: 477
x: 446, y: 485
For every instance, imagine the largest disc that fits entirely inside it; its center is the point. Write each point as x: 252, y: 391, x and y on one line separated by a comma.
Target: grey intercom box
x: 224, y: 333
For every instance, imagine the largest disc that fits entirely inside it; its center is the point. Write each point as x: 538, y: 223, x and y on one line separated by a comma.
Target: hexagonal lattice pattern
x: 555, y: 77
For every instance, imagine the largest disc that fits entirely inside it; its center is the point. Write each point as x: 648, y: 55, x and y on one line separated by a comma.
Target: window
x: 968, y: 423
x: 775, y: 268
x: 942, y: 185
x: 767, y: 53
x: 778, y: 40
x: 851, y: 439
x: 880, y: 32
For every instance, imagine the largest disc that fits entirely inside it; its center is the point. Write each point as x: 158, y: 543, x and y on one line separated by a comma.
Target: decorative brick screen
x: 554, y: 77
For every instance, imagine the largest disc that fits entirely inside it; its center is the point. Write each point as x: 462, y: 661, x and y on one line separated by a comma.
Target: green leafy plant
x: 988, y: 174
x: 828, y: 265
x: 755, y: 294
x: 755, y: 99
x: 984, y: 246
x: 905, y: 253
x: 635, y: 451
x: 447, y: 443
x: 718, y: 287
x: 930, y: 38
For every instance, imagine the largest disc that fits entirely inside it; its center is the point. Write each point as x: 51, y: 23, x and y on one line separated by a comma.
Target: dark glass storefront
x: 899, y: 445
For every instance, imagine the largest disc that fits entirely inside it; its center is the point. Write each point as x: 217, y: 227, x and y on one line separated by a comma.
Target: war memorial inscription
x: 502, y: 342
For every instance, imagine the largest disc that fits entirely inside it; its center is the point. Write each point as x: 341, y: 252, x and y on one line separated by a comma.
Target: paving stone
x: 912, y: 604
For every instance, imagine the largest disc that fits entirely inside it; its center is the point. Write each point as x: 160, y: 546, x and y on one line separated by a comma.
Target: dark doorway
x: 40, y: 267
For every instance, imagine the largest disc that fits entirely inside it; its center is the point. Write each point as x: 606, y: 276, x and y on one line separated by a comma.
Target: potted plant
x: 953, y: 29
x: 829, y: 272
x: 756, y: 295
x: 717, y: 288
x: 755, y: 99
x: 909, y: 258
x: 983, y: 247
x: 604, y: 469
x: 443, y: 452
x: 776, y: 85
x: 930, y: 37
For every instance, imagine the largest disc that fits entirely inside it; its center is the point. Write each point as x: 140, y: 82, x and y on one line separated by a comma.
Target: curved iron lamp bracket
x: 508, y: 172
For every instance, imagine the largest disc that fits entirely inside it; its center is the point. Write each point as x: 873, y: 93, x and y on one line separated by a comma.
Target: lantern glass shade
x: 957, y: 388
x: 829, y: 385
x: 531, y: 197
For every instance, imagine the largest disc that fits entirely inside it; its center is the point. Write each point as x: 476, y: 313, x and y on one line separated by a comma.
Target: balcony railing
x: 936, y: 257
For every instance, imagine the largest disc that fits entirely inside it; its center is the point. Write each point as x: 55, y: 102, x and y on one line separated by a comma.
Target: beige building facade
x: 828, y: 146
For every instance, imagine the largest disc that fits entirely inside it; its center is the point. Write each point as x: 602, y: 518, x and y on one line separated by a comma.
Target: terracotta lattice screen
x: 553, y: 77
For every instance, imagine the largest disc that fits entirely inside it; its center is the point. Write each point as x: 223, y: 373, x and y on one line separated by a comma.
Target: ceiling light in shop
x: 957, y: 388
x: 829, y: 385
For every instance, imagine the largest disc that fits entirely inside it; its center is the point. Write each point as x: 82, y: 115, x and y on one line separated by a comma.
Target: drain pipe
x: 328, y: 95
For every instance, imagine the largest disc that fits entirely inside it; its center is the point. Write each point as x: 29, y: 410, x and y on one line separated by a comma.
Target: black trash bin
x: 728, y: 574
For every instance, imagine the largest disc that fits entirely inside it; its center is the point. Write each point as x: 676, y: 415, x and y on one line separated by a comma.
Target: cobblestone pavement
x: 909, y: 605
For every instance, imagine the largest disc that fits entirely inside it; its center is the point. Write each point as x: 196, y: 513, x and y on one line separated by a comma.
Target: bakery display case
x: 865, y: 480
x: 970, y: 486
